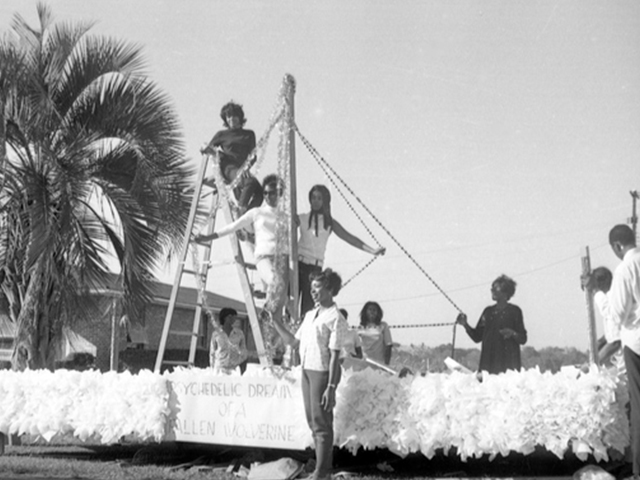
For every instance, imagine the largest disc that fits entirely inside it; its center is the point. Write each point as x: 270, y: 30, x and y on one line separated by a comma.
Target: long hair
x: 364, y: 318
x: 325, y: 211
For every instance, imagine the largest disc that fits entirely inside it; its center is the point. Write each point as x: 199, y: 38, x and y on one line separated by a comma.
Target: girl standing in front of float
x: 320, y: 339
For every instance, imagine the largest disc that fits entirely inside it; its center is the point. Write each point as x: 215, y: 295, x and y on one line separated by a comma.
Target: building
x: 140, y: 334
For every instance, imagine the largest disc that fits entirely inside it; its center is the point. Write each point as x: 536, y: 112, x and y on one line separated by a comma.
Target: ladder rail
x: 247, y: 290
x: 179, y: 271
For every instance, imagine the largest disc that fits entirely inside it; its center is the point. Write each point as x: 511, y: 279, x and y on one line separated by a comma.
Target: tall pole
x: 634, y: 217
x: 293, y: 191
x: 591, y: 316
x: 115, y: 337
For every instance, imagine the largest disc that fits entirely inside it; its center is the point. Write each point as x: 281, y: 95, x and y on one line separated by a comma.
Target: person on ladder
x: 315, y: 228
x: 234, y: 144
x: 264, y: 222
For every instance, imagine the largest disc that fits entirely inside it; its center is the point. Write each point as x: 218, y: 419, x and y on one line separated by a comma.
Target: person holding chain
x: 500, y: 329
x: 320, y: 339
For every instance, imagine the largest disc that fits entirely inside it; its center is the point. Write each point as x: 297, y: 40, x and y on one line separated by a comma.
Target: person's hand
x: 462, y: 319
x: 508, y: 333
x: 588, y: 281
x: 204, y: 239
x: 328, y: 400
x: 379, y: 251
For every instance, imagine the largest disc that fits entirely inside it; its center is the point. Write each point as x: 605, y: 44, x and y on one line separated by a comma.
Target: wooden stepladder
x: 217, y: 200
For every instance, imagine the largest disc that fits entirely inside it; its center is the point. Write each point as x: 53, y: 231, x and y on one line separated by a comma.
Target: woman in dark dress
x: 500, y: 329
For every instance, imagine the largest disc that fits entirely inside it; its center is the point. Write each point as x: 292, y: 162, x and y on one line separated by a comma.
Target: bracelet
x: 331, y: 385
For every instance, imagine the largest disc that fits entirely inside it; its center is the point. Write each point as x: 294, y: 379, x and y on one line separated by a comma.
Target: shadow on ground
x: 381, y: 463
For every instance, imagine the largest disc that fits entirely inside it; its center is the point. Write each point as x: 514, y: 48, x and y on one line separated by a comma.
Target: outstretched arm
x: 288, y: 337
x: 242, y: 222
x: 355, y: 241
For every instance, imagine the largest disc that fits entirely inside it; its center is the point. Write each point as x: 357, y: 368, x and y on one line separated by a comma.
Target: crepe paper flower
x: 512, y: 412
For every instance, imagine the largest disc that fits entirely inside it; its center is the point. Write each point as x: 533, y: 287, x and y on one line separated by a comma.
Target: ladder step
x: 183, y: 333
x: 176, y: 362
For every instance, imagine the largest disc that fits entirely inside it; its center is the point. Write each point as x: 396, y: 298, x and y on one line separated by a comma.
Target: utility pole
x: 633, y: 220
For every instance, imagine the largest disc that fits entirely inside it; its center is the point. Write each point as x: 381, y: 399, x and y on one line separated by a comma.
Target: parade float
x: 581, y: 411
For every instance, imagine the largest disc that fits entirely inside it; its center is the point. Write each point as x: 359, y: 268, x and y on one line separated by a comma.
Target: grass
x: 198, y: 462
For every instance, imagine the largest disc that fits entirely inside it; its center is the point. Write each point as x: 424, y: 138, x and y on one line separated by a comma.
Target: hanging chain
x: 319, y: 158
x: 421, y: 325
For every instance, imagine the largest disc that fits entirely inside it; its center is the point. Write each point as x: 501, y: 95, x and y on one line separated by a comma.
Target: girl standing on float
x: 264, y: 222
x: 315, y: 228
x: 375, y: 334
x: 500, y: 329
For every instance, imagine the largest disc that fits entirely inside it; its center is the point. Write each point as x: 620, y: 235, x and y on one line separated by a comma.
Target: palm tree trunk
x: 33, y: 342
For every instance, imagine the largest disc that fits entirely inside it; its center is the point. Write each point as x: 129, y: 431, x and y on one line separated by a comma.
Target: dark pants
x: 632, y: 362
x: 314, y: 383
x: 304, y: 270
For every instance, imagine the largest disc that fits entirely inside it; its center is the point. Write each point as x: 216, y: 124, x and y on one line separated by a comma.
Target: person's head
x: 272, y: 188
x: 320, y: 203
x: 320, y: 198
x: 371, y: 314
x: 230, y: 111
x: 621, y: 239
x: 344, y: 313
x: 603, y: 278
x: 237, y: 323
x: 503, y: 288
x: 324, y: 286
x: 227, y: 316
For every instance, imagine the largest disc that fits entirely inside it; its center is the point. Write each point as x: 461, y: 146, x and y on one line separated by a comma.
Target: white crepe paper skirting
x: 88, y: 405
x: 570, y: 411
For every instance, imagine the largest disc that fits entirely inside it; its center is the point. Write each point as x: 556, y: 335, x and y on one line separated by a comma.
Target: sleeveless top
x: 309, y: 244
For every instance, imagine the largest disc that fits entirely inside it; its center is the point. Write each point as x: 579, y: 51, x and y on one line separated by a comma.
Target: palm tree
x: 92, y: 164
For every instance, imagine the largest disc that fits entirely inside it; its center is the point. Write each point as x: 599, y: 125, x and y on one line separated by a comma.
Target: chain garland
x: 321, y: 160
x: 420, y: 325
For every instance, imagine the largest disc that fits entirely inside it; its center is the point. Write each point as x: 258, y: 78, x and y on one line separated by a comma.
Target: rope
x: 319, y: 158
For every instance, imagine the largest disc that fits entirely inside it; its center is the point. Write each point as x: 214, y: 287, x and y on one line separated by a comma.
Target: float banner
x: 250, y: 411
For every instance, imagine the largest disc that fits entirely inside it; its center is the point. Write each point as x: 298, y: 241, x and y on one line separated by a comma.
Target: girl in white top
x: 315, y: 228
x: 375, y: 334
x: 264, y: 220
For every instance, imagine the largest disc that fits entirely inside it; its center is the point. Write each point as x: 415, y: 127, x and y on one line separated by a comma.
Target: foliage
x: 420, y: 358
x: 92, y: 164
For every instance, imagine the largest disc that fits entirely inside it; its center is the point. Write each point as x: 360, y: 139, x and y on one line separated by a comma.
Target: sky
x: 487, y: 136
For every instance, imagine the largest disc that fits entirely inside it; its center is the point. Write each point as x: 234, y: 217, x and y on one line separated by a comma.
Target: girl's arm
x: 288, y: 337
x: 355, y: 241
x: 242, y: 222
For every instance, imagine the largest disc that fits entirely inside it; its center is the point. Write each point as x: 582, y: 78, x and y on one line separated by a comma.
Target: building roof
x: 187, y: 296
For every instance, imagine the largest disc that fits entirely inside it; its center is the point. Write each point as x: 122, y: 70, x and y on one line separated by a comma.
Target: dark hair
x: 272, y: 179
x: 622, y: 234
x: 507, y: 285
x: 232, y: 109
x: 329, y: 279
x: 603, y: 278
x: 326, y: 206
x: 364, y: 319
x: 344, y: 313
x: 226, y: 312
